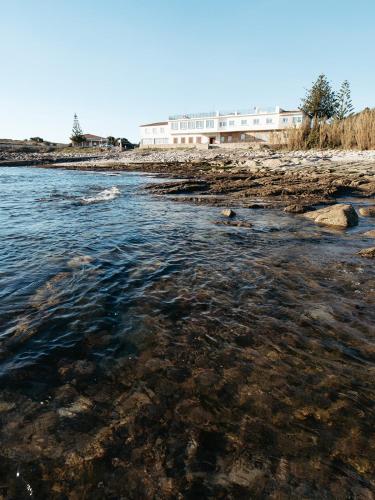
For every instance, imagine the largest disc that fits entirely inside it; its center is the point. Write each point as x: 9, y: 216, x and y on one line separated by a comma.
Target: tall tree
x: 112, y: 140
x: 320, y: 101
x: 77, y: 134
x: 344, y: 102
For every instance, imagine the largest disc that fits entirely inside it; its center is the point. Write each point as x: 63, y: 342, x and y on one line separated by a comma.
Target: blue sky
x: 120, y: 63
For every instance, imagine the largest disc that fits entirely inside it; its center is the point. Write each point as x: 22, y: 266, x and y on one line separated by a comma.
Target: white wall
x: 165, y: 134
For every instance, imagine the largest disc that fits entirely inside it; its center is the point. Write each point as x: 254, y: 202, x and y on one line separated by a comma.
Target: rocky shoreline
x: 297, y: 182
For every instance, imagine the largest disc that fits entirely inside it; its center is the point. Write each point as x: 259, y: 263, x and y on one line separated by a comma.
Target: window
x: 183, y: 125
x: 162, y: 140
x: 174, y: 125
x: 231, y: 123
x: 191, y: 124
x: 162, y: 130
x: 243, y: 122
x: 148, y: 141
x: 209, y: 124
x: 175, y: 140
x: 269, y: 120
x: 182, y: 140
x: 242, y: 137
x: 256, y: 121
x: 297, y: 119
x: 221, y: 139
x: 154, y: 130
x: 285, y: 120
x: 147, y: 130
x: 222, y: 124
x: 229, y: 138
x: 190, y: 140
x: 199, y: 124
x: 198, y: 140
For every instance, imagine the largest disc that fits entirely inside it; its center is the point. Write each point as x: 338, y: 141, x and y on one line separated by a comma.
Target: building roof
x: 91, y: 137
x: 154, y: 124
x: 290, y: 112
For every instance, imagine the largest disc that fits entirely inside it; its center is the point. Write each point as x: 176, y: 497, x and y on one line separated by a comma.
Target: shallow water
x: 210, y: 360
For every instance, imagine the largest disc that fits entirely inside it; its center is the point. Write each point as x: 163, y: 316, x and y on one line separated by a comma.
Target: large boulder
x: 340, y: 216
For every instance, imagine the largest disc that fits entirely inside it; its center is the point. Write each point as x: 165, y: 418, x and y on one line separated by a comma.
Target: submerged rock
x: 228, y: 212
x: 80, y: 260
x: 367, y: 211
x: 340, y: 215
x: 80, y: 405
x: 239, y: 223
x: 369, y: 253
x: 370, y: 234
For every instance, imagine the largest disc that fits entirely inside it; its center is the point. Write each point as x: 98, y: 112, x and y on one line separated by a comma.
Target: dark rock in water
x: 228, y: 212
x: 340, y: 216
x: 296, y: 209
x: 239, y: 223
x: 369, y: 253
x: 367, y: 211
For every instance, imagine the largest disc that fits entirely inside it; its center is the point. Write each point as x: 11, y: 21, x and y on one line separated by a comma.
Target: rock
x: 370, y: 234
x: 369, y: 253
x: 228, y: 212
x: 239, y: 223
x: 4, y: 406
x: 296, y: 209
x: 80, y: 405
x: 367, y: 211
x: 340, y: 216
x: 80, y: 260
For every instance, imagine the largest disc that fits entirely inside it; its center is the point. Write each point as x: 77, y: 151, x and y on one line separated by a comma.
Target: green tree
x: 344, y: 102
x: 111, y: 140
x: 77, y: 134
x: 320, y: 102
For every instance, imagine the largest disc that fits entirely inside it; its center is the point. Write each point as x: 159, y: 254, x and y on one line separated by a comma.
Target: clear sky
x: 120, y: 63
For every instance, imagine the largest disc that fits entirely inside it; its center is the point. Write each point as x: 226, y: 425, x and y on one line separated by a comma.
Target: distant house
x: 94, y: 141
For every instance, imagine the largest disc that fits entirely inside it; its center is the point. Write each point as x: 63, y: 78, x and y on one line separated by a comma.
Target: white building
x: 219, y: 127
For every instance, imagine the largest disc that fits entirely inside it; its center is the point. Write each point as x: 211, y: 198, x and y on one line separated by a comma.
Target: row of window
x: 200, y: 124
x: 155, y: 130
x: 187, y: 140
x: 161, y: 140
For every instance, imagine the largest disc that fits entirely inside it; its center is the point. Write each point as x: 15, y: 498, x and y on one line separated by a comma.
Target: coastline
x: 243, y: 177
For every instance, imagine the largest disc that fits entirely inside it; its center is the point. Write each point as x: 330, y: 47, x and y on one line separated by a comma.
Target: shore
x: 238, y: 177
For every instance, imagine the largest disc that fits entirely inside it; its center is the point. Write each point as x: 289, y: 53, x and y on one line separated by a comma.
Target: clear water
x: 267, y: 332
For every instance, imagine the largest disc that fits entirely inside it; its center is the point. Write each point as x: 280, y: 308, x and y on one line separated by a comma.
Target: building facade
x: 255, y: 125
x: 93, y: 141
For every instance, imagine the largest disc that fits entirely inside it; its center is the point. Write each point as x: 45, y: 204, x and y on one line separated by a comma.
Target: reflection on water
x: 146, y: 351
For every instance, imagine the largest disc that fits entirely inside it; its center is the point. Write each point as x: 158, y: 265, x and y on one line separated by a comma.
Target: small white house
x: 218, y: 127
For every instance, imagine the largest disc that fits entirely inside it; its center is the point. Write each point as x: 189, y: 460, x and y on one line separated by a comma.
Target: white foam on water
x: 105, y: 195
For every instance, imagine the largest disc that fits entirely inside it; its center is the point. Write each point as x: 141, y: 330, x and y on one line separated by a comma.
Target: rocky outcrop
x: 369, y: 253
x: 370, y: 234
x: 340, y: 216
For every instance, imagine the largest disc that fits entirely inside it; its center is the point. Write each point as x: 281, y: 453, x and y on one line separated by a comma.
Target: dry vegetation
x: 354, y: 132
